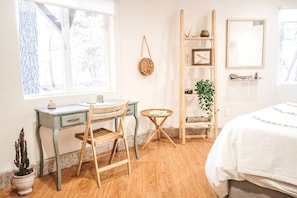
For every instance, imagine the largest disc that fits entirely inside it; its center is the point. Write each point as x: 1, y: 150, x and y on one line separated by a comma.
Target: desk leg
x: 135, y: 135
x: 40, y: 148
x: 58, y: 165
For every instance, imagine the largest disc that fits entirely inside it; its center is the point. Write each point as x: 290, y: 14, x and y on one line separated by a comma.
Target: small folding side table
x: 153, y: 115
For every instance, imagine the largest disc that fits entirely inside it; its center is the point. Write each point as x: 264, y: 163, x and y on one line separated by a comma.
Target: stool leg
x: 149, y: 139
x: 167, y: 136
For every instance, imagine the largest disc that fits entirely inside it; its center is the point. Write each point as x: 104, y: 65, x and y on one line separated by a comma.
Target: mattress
x: 259, y: 147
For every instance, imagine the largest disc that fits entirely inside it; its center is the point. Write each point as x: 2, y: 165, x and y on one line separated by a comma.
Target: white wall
x: 159, y: 21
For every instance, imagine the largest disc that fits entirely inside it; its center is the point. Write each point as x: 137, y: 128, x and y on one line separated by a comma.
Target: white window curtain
x: 99, y: 6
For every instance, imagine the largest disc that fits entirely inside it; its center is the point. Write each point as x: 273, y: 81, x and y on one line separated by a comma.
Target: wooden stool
x: 153, y: 114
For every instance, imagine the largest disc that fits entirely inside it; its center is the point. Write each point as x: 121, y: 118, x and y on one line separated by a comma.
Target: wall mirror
x: 245, y: 43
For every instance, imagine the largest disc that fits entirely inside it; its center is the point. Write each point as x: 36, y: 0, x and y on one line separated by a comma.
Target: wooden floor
x: 162, y: 171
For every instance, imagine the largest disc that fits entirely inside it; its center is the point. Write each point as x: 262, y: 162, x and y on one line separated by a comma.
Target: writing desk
x: 68, y: 116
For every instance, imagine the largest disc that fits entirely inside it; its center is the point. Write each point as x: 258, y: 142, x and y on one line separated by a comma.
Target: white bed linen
x: 260, y: 147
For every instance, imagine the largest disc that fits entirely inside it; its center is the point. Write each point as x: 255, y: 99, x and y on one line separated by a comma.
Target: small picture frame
x: 201, y: 56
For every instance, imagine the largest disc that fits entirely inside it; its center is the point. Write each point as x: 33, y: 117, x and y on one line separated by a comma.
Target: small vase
x: 51, y: 105
x: 204, y: 33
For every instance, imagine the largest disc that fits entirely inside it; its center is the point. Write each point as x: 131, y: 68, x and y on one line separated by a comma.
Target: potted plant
x: 205, y: 91
x: 23, y: 179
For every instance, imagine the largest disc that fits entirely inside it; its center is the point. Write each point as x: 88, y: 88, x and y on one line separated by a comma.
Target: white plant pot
x: 24, y: 183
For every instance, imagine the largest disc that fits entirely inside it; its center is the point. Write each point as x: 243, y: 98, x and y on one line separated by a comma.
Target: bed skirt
x: 246, y: 189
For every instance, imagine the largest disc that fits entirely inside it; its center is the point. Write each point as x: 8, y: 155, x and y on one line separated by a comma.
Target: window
x: 65, y: 49
x: 287, y: 62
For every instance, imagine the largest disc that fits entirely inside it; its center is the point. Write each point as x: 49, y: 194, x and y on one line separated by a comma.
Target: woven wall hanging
x: 146, y: 65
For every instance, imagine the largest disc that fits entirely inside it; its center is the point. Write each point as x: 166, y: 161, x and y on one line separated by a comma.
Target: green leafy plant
x: 205, y: 91
x: 21, y: 158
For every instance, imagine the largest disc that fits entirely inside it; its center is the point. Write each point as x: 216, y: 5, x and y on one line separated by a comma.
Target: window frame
x: 112, y: 69
x: 282, y: 21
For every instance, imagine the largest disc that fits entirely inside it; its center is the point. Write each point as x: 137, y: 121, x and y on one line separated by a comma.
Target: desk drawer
x: 73, y: 119
x: 130, y: 110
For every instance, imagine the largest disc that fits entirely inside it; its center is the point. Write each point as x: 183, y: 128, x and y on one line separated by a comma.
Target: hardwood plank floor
x: 162, y: 171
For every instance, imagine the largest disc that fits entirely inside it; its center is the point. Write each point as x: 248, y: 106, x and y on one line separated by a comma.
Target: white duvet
x: 260, y: 147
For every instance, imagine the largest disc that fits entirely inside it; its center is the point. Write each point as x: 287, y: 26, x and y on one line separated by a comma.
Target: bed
x: 258, y: 150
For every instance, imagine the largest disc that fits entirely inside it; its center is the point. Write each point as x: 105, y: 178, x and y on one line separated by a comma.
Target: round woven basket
x: 146, y: 66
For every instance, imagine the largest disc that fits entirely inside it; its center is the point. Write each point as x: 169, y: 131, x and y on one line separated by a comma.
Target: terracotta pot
x: 24, y: 183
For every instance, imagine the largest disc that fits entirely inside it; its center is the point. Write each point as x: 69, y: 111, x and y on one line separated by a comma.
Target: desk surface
x: 76, y: 108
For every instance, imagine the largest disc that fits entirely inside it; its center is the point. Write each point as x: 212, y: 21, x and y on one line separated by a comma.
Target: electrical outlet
x: 227, y: 112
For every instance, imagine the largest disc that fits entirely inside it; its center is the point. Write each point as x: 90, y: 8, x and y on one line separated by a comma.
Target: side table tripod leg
x: 149, y: 139
x: 167, y: 136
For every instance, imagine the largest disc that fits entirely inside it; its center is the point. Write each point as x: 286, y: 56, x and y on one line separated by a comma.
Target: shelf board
x: 199, y: 124
x: 191, y: 95
x: 198, y: 38
x: 200, y: 67
x: 247, y: 79
x: 196, y: 136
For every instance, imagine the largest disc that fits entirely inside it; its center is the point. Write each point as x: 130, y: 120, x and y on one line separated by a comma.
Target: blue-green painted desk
x: 68, y: 116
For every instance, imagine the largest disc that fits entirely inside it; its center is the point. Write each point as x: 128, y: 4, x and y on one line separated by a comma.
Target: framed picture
x: 201, y: 57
